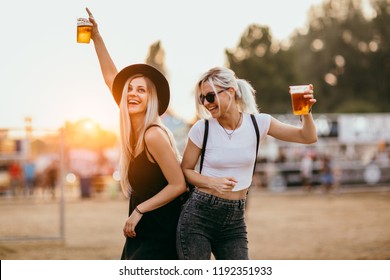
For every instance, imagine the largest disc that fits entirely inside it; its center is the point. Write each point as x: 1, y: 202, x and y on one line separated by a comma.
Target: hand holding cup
x: 95, y: 29
x: 302, y: 99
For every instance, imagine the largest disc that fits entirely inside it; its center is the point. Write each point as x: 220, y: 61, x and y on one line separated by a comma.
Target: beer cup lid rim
x: 159, y: 80
x: 299, y: 88
x: 83, y: 21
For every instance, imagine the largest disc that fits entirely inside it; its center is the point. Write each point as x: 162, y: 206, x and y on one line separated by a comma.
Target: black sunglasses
x: 210, y: 96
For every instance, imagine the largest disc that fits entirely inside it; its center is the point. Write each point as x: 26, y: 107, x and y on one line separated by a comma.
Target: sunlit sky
x: 47, y: 76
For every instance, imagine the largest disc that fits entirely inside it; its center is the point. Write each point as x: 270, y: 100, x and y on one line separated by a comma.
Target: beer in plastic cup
x: 84, y: 30
x: 300, y: 104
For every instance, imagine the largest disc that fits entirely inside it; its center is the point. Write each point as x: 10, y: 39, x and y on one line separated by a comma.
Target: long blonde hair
x: 130, y: 145
x: 226, y: 78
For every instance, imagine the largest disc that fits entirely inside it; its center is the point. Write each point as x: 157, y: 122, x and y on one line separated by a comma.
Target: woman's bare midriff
x: 227, y: 195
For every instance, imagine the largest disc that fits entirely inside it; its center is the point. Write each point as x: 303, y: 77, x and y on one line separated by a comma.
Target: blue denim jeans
x: 209, y: 224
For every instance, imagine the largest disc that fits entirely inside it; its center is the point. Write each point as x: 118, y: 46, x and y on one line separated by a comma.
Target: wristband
x: 137, y: 210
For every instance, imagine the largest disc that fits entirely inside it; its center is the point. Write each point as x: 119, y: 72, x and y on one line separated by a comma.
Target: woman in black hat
x: 149, y: 161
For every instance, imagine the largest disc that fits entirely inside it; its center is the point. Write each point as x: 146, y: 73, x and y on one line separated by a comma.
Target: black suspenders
x: 206, y: 132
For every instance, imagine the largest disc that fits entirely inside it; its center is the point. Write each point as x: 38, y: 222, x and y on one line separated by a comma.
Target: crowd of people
x: 26, y: 180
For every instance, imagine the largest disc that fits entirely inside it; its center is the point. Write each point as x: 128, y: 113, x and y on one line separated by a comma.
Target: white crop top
x: 234, y: 157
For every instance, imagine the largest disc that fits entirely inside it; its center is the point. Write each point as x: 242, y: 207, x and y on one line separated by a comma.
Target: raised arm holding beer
x: 107, y: 66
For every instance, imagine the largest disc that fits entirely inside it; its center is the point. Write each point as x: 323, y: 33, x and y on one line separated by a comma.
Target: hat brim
x: 159, y: 80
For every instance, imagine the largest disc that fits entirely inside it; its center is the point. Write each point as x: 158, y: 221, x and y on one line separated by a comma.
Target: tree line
x: 342, y: 51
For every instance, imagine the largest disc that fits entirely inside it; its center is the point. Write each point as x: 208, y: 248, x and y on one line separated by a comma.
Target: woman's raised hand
x: 95, y: 29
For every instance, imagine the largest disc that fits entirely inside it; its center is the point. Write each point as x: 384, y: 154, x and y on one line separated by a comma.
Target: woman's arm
x: 190, y: 158
x: 306, y: 134
x: 160, y: 148
x: 107, y: 66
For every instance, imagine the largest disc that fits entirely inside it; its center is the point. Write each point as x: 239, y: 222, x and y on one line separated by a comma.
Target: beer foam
x: 83, y: 22
x: 300, y: 88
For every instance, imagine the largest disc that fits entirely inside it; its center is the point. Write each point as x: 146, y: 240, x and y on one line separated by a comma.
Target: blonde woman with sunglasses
x: 212, y: 219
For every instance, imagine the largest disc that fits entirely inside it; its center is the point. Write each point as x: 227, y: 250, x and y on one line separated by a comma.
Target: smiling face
x: 137, y: 96
x: 222, y: 99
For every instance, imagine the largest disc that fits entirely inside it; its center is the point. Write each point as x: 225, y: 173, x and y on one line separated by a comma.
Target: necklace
x: 231, y: 133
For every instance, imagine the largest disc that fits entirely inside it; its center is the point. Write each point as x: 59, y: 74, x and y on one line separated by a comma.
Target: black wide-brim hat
x: 159, y: 80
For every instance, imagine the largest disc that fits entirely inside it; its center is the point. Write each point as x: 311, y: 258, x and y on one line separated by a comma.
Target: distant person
x: 326, y: 176
x: 15, y: 174
x: 306, y: 171
x: 29, y: 177
x: 212, y: 219
x: 52, y: 178
x: 149, y: 162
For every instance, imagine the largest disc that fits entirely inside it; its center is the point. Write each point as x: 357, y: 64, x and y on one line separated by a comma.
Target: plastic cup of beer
x: 300, y: 104
x: 84, y: 30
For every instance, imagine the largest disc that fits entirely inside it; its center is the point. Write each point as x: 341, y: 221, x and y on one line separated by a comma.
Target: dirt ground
x: 351, y: 225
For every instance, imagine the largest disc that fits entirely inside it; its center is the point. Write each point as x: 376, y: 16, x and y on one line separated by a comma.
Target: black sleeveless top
x: 147, y: 179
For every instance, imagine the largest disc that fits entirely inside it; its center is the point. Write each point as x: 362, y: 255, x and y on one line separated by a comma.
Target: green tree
x: 336, y: 55
x: 342, y: 52
x: 156, y: 57
x: 261, y: 60
x: 381, y: 56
